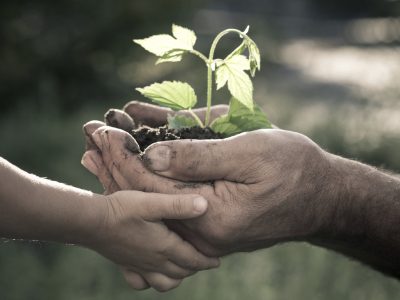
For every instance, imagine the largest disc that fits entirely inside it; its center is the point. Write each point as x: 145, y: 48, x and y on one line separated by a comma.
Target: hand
x: 133, y: 114
x: 266, y: 184
x: 137, y: 113
x: 136, y: 276
x: 133, y: 236
x: 155, y: 116
x: 125, y: 226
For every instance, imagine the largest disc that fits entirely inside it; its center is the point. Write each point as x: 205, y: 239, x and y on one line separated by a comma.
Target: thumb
x: 203, y: 160
x: 163, y: 206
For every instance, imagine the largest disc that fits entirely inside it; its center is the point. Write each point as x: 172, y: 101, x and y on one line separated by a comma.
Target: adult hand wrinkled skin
x: 257, y: 184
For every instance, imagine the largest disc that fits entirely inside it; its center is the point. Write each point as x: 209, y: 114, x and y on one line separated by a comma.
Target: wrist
x: 364, y: 216
x: 356, y: 195
x: 344, y: 202
x: 35, y: 208
x: 91, y: 219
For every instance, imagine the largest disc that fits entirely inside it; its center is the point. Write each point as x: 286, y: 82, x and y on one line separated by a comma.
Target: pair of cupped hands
x: 198, y: 200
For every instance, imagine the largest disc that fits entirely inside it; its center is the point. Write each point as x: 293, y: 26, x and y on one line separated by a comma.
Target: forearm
x: 39, y: 209
x: 365, y: 215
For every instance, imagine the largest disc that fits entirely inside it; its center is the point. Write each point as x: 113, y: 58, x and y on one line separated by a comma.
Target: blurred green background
x: 330, y: 69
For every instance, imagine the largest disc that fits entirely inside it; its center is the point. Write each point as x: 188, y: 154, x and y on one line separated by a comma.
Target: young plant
x: 243, y: 114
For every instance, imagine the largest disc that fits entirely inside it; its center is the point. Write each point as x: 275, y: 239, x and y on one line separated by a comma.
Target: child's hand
x: 132, y: 235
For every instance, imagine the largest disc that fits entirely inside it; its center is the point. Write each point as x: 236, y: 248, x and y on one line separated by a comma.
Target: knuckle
x: 145, y: 208
x: 178, y: 206
x: 195, y: 263
x: 169, y: 244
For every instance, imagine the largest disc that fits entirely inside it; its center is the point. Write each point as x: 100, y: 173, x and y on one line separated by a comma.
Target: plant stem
x: 196, y: 118
x: 200, y: 55
x: 209, y: 92
x: 209, y: 63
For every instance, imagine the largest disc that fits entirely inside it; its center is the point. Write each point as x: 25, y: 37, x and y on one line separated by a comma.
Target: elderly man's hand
x: 133, y: 115
x: 263, y: 187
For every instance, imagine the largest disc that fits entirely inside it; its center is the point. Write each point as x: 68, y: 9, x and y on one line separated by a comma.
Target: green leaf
x: 239, y: 83
x: 239, y: 50
x: 171, y: 56
x: 250, y: 123
x: 237, y: 109
x: 174, y: 94
x: 179, y: 122
x: 159, y: 44
x: 169, y: 48
x: 221, y: 75
x: 245, y: 119
x: 184, y: 36
x: 223, y: 125
x: 240, y: 119
x: 239, y: 62
x: 254, y: 56
x: 241, y: 87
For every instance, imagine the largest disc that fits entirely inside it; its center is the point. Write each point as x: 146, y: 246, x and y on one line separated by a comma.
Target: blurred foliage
x: 67, y: 53
x: 65, y: 62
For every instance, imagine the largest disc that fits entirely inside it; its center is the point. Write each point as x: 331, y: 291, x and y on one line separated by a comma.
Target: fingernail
x: 120, y: 119
x: 97, y: 139
x: 109, y: 117
x: 132, y: 145
x: 91, y: 127
x: 158, y: 158
x: 88, y: 162
x: 200, y: 204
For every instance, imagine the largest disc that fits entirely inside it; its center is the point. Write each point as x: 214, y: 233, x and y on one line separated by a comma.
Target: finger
x: 193, y: 238
x: 215, y: 112
x: 93, y: 161
x: 155, y: 116
x: 119, y: 119
x: 127, y: 145
x: 161, y: 282
x: 162, y: 206
x: 135, y: 280
x: 88, y: 130
x: 88, y: 162
x: 202, y: 160
x: 174, y: 271
x: 186, y: 256
x: 147, y: 114
x: 120, y: 154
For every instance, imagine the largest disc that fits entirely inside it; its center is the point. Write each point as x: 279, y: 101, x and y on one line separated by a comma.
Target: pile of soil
x: 146, y: 136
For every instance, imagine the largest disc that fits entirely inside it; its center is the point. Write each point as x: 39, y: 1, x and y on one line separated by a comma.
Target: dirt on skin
x: 146, y: 136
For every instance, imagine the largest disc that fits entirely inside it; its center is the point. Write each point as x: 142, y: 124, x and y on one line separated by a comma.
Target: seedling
x: 243, y: 114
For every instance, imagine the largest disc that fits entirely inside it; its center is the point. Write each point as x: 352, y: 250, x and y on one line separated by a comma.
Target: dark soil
x: 146, y: 136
